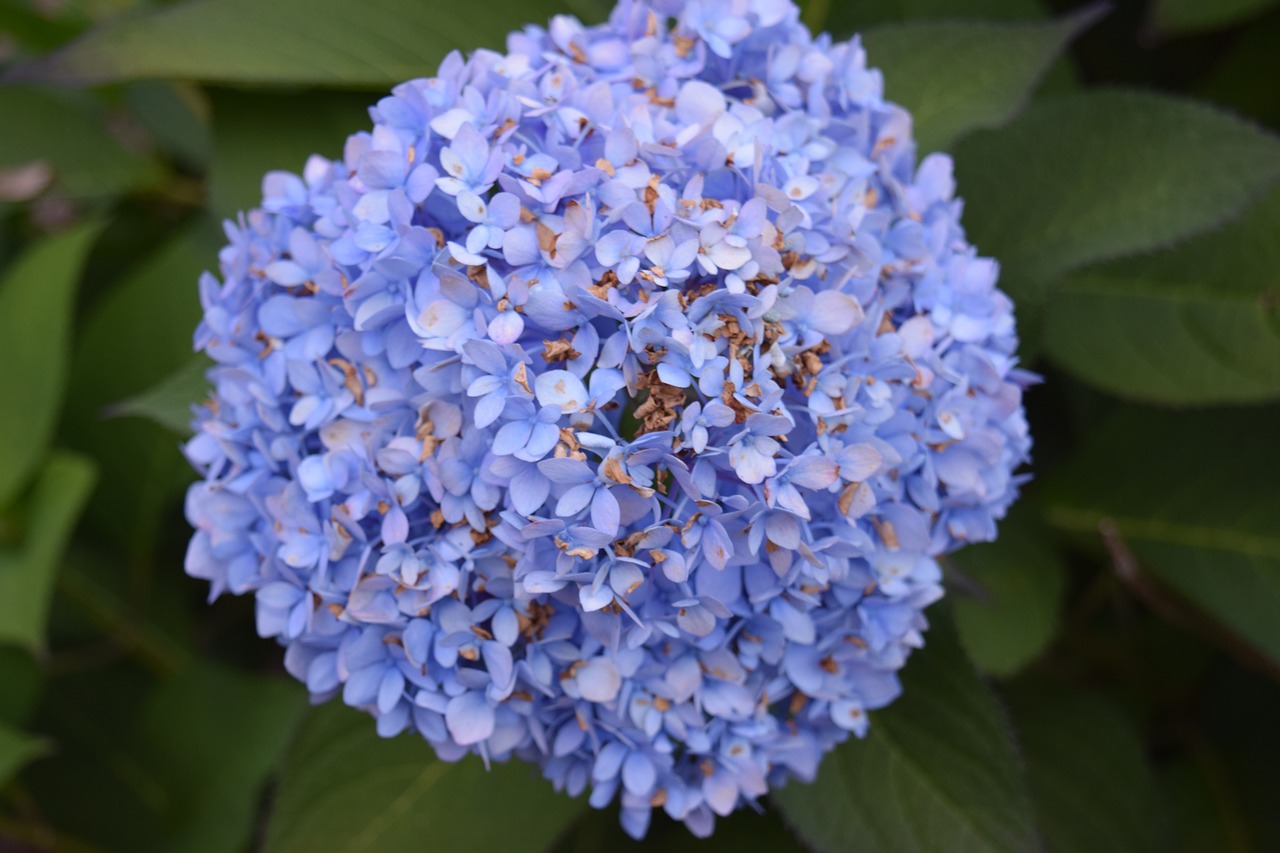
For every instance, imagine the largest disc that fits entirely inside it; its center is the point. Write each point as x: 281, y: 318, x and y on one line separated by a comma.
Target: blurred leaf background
x: 1105, y: 677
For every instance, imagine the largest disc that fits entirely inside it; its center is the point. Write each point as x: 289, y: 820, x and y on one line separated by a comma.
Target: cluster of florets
x: 607, y: 405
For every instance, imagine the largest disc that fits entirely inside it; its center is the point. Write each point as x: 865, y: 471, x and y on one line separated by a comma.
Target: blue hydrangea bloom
x: 608, y: 404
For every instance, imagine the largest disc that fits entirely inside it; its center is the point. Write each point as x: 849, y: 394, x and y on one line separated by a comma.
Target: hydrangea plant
x: 607, y: 405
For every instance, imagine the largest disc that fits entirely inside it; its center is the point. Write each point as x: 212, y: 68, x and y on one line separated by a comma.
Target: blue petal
x: 469, y: 717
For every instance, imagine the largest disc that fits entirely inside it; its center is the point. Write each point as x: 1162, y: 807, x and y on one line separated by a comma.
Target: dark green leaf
x: 169, y: 403
x: 138, y: 334
x: 346, y: 789
x: 1095, y: 176
x: 1186, y: 16
x: 1204, y: 807
x: 599, y: 830
x: 145, y: 618
x: 1190, y: 497
x: 1013, y: 616
x: 1235, y: 81
x: 1237, y: 751
x: 938, y: 772
x: 67, y: 131
x: 36, y: 296
x: 1092, y: 787
x: 141, y: 331
x: 177, y: 116
x: 95, y: 785
x: 22, y: 681
x: 215, y: 735
x: 175, y: 765
x: 27, y: 572
x: 1220, y: 791
x: 375, y: 43
x: 254, y: 133
x: 16, y: 749
x: 30, y: 31
x: 1198, y: 324
x: 845, y: 17
x: 956, y: 77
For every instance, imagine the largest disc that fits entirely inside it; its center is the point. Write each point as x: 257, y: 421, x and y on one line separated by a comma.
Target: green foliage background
x: 1105, y: 677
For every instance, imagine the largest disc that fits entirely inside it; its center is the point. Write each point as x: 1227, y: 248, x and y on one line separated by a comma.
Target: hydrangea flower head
x: 607, y: 405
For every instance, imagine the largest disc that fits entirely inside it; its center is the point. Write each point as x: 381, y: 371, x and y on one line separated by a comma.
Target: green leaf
x: 845, y: 17
x: 1235, y: 82
x: 169, y: 403
x: 1198, y: 324
x: 1220, y: 788
x: 374, y: 43
x: 346, y: 789
x: 1189, y: 16
x: 1021, y: 580
x: 599, y: 830
x: 30, y: 31
x: 254, y: 133
x: 96, y: 785
x: 27, y: 572
x: 137, y: 335
x: 1237, y: 751
x: 176, y: 764
x: 956, y: 77
x: 36, y: 298
x: 937, y: 772
x: 140, y: 332
x: 23, y: 680
x: 16, y: 749
x: 1095, y: 176
x: 177, y: 116
x: 67, y: 131
x: 214, y: 736
x: 1092, y: 787
x: 1190, y: 497
x: 102, y: 597
x: 1205, y: 811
